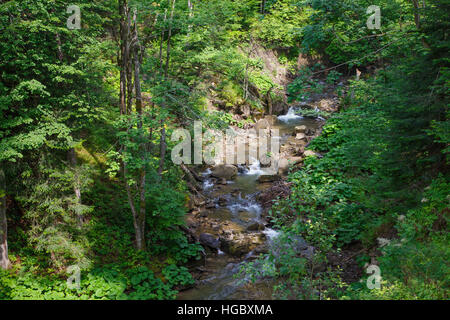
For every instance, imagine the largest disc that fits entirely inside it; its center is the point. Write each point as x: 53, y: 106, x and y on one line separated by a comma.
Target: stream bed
x: 238, y: 206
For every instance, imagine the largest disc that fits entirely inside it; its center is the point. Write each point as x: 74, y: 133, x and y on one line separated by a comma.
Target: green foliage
x: 105, y: 283
x: 378, y: 176
x: 304, y: 85
x: 280, y: 28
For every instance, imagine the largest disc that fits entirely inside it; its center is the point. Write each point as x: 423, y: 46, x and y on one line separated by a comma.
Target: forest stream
x: 237, y: 209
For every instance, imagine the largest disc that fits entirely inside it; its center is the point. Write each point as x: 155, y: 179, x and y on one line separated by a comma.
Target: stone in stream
x: 268, y: 178
x: 300, y: 129
x: 209, y: 240
x: 224, y: 171
x: 256, y: 226
x: 238, y: 244
x: 296, y: 142
x: 300, y: 136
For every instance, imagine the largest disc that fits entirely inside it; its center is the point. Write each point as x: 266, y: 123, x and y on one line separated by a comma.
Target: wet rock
x: 300, y: 129
x: 209, y: 240
x: 268, y: 178
x: 256, y: 226
x: 241, y: 244
x: 224, y: 171
x: 300, y: 136
x: 222, y: 201
x: 293, y: 141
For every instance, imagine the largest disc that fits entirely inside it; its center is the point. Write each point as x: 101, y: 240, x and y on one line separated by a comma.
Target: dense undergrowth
x: 64, y: 141
x: 382, y: 183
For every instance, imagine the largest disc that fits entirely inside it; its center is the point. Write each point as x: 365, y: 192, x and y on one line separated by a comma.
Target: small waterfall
x: 207, y: 184
x: 254, y: 168
x: 290, y: 115
x: 271, y: 233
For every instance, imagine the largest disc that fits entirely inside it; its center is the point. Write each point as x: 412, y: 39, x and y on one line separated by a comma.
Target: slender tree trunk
x: 191, y: 14
x: 161, y: 42
x: 417, y: 20
x: 140, y: 242
x: 130, y: 66
x: 123, y: 60
x: 4, y: 260
x: 139, y: 110
x: 163, y: 145
x: 166, y: 71
x: 416, y: 13
x: 72, y: 157
x: 129, y: 62
x: 162, y: 148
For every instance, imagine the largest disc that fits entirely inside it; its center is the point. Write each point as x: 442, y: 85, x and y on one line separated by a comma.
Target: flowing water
x: 240, y: 206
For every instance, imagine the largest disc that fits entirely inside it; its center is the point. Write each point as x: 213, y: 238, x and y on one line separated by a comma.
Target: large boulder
x: 224, y: 171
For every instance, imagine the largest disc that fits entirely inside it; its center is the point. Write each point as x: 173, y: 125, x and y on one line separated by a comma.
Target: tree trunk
x: 161, y: 42
x: 129, y: 62
x: 166, y: 71
x: 163, y: 145
x: 139, y: 110
x: 4, y: 260
x: 123, y: 59
x: 263, y: 6
x: 72, y: 157
x: 191, y: 14
x: 415, y: 4
x: 162, y: 149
